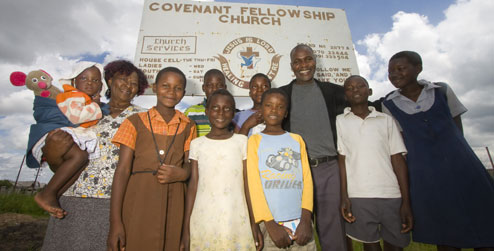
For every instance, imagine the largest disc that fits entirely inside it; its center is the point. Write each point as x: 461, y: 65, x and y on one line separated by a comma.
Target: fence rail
x: 18, y: 190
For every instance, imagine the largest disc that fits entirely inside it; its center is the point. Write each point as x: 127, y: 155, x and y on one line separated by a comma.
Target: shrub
x: 6, y: 183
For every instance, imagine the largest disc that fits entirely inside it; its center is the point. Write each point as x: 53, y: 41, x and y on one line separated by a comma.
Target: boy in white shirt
x: 374, y: 181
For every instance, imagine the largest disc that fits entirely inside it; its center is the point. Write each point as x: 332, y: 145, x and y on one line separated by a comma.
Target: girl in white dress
x: 217, y: 207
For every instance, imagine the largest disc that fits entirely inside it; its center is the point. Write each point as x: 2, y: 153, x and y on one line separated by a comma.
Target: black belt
x: 314, y: 162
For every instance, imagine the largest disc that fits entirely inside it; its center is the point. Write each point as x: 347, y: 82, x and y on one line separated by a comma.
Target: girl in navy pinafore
x: 452, y: 194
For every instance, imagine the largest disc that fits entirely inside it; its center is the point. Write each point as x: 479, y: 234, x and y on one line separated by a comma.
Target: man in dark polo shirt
x: 312, y: 114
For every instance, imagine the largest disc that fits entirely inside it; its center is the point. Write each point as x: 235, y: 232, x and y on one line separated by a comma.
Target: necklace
x: 118, y: 108
x: 158, y: 152
x: 113, y: 108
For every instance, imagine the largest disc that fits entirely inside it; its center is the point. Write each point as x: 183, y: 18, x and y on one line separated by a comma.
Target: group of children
x: 247, y: 193
x: 231, y: 187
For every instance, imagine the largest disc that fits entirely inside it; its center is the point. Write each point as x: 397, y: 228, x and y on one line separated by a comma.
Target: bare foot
x: 49, y: 204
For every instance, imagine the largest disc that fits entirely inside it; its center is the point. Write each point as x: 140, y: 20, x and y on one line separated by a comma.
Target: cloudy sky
x: 455, y: 39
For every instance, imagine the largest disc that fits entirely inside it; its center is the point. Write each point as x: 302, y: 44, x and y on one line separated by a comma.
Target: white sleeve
x: 385, y: 110
x: 339, y: 133
x: 396, y: 144
x: 244, y: 140
x: 455, y: 106
x: 193, y: 151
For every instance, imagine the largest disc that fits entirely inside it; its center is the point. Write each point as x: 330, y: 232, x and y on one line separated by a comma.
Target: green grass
x: 414, y: 246
x: 21, y: 204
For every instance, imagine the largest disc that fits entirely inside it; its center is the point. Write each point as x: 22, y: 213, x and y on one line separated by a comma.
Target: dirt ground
x: 21, y: 232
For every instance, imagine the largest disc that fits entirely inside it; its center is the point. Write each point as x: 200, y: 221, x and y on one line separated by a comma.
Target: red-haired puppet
x: 40, y: 82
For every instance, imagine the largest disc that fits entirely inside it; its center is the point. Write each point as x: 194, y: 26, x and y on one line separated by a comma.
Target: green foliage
x: 21, y: 204
x: 5, y: 183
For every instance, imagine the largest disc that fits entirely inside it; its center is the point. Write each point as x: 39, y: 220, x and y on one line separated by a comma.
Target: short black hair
x: 412, y: 57
x: 171, y: 69
x: 260, y: 75
x: 126, y: 68
x: 299, y: 46
x: 276, y: 91
x: 222, y: 92
x: 357, y: 76
x: 213, y: 72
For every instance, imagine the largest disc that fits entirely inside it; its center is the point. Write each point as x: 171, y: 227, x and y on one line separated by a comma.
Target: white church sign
x: 241, y: 40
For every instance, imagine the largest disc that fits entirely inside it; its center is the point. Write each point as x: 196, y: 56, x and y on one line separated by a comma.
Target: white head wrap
x: 79, y: 67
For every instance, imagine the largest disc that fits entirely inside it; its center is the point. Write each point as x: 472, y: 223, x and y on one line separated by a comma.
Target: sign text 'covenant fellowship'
x: 241, y: 40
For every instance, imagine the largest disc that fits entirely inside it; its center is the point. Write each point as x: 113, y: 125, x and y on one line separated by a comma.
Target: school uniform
x: 452, y: 195
x: 152, y: 212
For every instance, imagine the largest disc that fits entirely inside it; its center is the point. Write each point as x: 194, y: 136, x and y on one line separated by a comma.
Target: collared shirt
x: 425, y: 100
x: 198, y: 114
x: 127, y: 133
x: 367, y: 145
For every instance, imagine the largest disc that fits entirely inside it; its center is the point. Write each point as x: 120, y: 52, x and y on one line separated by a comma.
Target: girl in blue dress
x: 452, y: 194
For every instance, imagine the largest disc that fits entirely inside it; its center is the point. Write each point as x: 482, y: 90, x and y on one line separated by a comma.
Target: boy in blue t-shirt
x: 279, y: 179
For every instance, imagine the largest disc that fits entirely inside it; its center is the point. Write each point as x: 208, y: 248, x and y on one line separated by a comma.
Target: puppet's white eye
x: 43, y: 78
x: 34, y: 80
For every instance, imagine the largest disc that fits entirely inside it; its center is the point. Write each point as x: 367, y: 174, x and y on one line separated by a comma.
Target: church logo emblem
x: 243, y: 57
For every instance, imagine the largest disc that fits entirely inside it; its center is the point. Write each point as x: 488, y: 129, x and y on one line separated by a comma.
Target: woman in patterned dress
x: 88, y: 199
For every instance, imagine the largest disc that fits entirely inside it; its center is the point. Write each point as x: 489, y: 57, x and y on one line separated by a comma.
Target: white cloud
x: 38, y: 28
x: 20, y: 102
x: 53, y: 35
x: 459, y: 51
x: 15, y: 130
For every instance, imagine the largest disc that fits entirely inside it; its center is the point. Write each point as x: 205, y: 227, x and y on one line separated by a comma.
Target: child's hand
x: 278, y: 234
x: 346, y: 210
x: 249, y: 123
x: 116, y: 237
x: 258, y: 238
x: 170, y: 174
x: 406, y: 218
x: 254, y: 119
x: 97, y: 98
x: 303, y: 233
